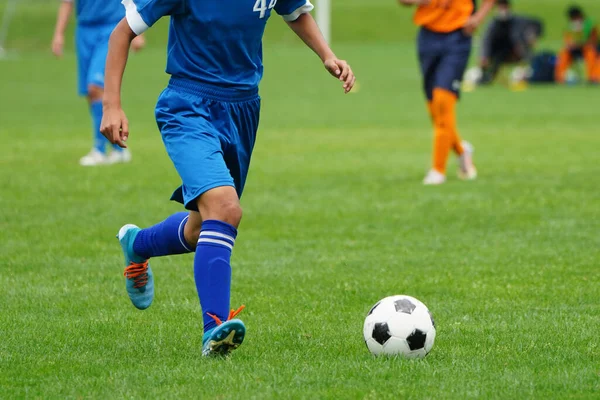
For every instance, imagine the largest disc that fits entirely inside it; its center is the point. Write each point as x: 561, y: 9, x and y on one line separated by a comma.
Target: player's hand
x: 138, y: 43
x: 58, y: 45
x: 341, y: 70
x: 115, y: 126
x: 472, y: 24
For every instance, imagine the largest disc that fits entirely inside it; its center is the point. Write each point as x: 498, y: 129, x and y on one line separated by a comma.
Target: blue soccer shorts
x: 443, y: 58
x: 92, y: 47
x: 209, y: 134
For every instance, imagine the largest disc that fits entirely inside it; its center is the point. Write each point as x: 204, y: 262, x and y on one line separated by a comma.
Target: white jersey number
x: 261, y: 6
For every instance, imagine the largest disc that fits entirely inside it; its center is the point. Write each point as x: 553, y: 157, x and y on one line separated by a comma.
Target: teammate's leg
x: 95, y: 92
x: 96, y: 80
x: 85, y: 38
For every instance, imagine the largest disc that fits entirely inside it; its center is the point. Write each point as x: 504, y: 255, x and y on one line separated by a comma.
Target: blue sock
x: 212, y: 270
x: 163, y: 239
x: 99, y: 140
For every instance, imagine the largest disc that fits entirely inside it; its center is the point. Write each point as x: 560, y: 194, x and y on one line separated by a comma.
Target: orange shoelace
x: 232, y: 315
x: 137, y: 272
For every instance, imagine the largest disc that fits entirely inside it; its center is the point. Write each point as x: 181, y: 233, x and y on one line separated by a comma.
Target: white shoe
x: 93, y: 158
x: 434, y: 177
x: 467, y: 170
x: 119, y: 156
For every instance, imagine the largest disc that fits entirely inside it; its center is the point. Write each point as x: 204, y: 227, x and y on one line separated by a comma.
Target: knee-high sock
x: 445, y: 131
x: 590, y: 57
x: 96, y: 113
x: 163, y: 239
x: 596, y: 74
x: 563, y: 63
x: 212, y: 270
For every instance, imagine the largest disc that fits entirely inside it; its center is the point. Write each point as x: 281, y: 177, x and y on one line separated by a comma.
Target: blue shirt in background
x: 98, y: 12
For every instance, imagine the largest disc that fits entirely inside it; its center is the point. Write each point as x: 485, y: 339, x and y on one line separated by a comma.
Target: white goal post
x: 323, y: 14
x: 7, y: 16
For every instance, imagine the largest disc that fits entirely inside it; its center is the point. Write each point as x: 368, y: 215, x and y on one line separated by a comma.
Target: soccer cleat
x: 93, y: 158
x: 119, y: 156
x: 467, y: 170
x: 434, y: 177
x: 139, y: 278
x: 225, y: 337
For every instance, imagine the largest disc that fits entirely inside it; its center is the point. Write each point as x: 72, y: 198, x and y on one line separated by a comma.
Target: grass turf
x: 335, y: 219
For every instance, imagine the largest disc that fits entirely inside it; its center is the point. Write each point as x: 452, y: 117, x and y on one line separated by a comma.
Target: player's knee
x: 95, y: 92
x: 228, y: 211
x: 231, y: 213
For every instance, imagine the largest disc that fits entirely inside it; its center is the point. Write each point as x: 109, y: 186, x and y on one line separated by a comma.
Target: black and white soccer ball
x: 399, y: 325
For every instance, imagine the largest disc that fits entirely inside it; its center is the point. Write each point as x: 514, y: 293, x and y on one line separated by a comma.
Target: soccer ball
x: 399, y: 325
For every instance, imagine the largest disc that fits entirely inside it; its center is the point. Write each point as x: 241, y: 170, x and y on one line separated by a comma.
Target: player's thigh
x: 193, y: 145
x: 429, y: 59
x: 83, y: 49
x: 97, y: 64
x: 453, y: 63
x: 245, y: 117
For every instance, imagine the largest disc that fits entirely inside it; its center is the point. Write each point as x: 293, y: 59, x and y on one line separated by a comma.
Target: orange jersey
x: 444, y: 15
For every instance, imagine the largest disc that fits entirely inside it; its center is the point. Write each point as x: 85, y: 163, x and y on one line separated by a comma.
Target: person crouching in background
x: 581, y: 42
x: 509, y: 39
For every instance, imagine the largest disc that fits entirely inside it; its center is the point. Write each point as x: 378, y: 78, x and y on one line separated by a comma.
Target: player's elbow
x: 405, y: 2
x: 122, y: 32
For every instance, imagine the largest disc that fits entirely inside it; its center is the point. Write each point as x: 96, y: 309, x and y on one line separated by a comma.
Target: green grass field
x: 335, y: 219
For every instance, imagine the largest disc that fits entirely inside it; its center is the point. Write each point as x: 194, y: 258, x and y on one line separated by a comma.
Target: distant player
x: 444, y: 46
x: 208, y: 118
x: 96, y: 19
x: 581, y: 42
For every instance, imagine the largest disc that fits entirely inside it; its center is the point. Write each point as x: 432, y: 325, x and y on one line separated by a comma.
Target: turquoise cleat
x: 139, y: 278
x: 225, y: 337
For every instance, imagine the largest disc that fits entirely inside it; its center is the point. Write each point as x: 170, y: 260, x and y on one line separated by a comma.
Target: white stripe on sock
x: 217, y: 234
x: 182, y: 240
x: 216, y: 241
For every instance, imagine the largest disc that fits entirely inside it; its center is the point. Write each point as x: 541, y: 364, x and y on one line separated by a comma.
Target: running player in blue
x: 96, y: 19
x: 208, y: 117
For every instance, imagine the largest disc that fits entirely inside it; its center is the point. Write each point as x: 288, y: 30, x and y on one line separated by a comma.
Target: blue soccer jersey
x: 217, y: 42
x: 98, y: 12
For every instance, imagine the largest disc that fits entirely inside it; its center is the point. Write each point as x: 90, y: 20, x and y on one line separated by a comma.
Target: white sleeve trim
x: 134, y: 19
x: 305, y: 9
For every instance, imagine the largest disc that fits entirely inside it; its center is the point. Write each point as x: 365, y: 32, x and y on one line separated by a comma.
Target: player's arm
x: 114, y: 122
x: 479, y: 16
x: 593, y: 40
x: 62, y: 21
x: 306, y: 28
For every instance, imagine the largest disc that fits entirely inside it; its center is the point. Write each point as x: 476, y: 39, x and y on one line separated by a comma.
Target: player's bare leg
x: 97, y: 156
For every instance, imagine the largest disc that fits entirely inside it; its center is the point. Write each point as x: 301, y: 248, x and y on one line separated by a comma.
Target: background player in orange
x: 444, y: 46
x: 581, y: 42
